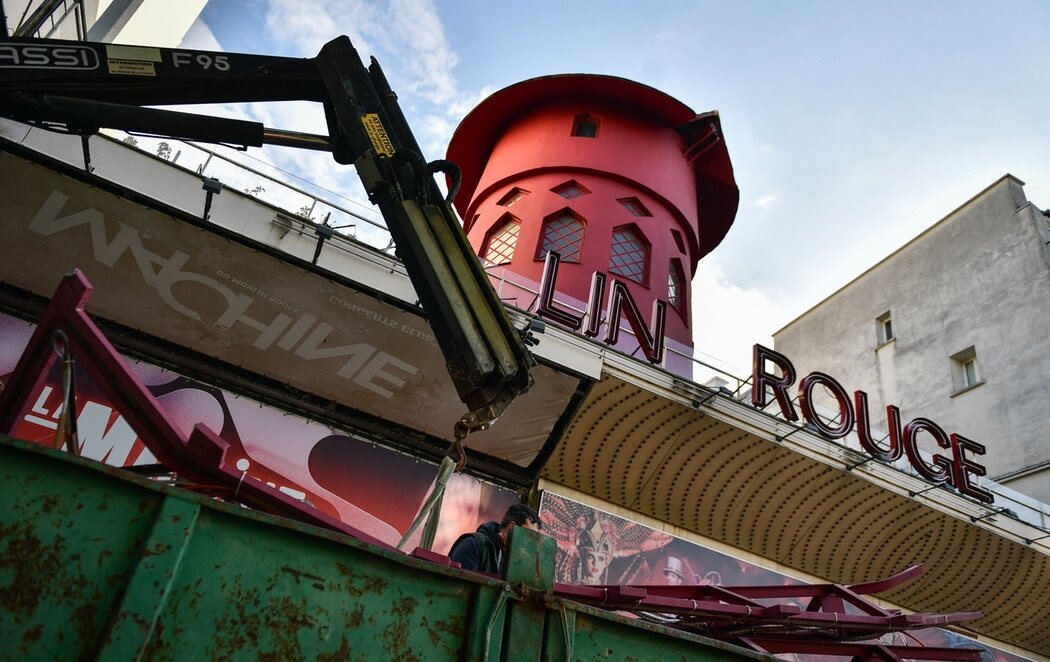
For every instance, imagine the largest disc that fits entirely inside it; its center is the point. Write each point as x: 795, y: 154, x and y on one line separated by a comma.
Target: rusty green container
x: 97, y: 563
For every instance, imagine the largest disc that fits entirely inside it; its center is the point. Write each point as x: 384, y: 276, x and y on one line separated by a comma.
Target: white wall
x: 980, y: 277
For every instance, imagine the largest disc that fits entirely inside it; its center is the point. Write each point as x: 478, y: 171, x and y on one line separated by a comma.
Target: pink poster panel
x: 363, y: 484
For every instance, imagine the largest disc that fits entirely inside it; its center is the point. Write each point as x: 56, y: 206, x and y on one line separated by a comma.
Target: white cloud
x: 467, y: 101
x: 305, y: 25
x: 766, y: 201
x: 408, y: 39
x: 406, y: 34
x: 200, y: 38
x: 729, y: 320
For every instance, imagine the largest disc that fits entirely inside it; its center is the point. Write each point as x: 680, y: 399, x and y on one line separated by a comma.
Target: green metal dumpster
x: 98, y: 563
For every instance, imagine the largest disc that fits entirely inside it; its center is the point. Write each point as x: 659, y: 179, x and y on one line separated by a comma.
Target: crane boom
x: 80, y: 87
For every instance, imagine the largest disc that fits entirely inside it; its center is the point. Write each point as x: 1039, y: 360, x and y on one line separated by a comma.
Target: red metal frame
x: 828, y: 624
x: 200, y: 458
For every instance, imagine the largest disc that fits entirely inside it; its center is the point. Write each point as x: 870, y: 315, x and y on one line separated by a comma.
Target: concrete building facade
x: 952, y: 327
x: 148, y: 22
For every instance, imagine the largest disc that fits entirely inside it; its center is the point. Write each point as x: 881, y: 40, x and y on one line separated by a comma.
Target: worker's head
x: 520, y: 515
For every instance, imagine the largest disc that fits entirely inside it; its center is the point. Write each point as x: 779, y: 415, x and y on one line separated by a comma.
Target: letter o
x: 805, y: 401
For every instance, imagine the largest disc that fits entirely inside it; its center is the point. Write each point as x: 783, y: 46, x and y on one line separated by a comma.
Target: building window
x: 965, y: 373
x: 563, y: 234
x: 571, y: 190
x: 512, y: 196
x: 635, y: 206
x: 585, y: 126
x: 884, y: 328
x: 676, y: 287
x: 629, y: 256
x: 969, y: 372
x: 678, y: 241
x: 499, y: 248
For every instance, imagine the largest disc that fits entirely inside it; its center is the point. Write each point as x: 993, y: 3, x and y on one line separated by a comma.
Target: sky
x: 852, y: 126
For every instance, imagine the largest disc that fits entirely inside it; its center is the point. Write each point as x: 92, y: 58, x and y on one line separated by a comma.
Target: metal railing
x: 304, y: 200
x: 48, y: 20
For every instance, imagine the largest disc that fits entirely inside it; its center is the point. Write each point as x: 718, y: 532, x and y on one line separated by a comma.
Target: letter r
x: 760, y: 380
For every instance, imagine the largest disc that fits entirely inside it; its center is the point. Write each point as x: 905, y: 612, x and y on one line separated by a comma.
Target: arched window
x: 499, y: 248
x: 676, y: 287
x: 629, y: 256
x: 563, y: 234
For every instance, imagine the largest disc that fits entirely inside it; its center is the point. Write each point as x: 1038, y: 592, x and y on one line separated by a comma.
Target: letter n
x: 620, y: 302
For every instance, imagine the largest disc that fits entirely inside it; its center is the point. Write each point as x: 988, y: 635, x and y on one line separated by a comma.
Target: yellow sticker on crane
x: 377, y: 133
x: 131, y: 67
x: 140, y: 53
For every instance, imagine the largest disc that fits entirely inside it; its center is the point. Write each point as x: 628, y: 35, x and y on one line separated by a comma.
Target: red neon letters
x: 955, y: 470
x: 620, y: 304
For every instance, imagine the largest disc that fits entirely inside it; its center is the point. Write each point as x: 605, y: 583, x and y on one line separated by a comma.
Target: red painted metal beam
x: 201, y: 458
x: 829, y: 625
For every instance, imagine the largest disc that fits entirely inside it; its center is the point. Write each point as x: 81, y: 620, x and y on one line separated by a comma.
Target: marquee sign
x: 185, y: 284
x: 956, y: 470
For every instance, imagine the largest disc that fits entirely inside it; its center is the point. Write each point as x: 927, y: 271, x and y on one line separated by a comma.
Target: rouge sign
x: 956, y: 470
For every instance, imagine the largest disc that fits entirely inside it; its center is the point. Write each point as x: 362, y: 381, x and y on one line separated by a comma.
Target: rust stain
x: 435, y: 637
x: 343, y: 653
x: 299, y: 575
x: 448, y: 632
x: 84, y: 622
x: 395, y: 639
x: 48, y: 503
x: 152, y: 648
x: 141, y: 622
x: 352, y: 586
x: 32, y: 565
x: 395, y: 636
x: 344, y: 569
x: 45, y: 577
x: 253, y: 620
x: 453, y: 626
x: 356, y: 616
x: 405, y: 607
x: 32, y: 635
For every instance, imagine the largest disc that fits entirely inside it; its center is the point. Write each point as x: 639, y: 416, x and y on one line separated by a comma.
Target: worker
x: 484, y: 549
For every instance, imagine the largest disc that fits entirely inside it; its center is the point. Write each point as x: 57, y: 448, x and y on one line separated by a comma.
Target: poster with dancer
x: 596, y: 547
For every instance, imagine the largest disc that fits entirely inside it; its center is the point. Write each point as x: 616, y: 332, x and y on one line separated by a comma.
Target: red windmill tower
x: 618, y: 179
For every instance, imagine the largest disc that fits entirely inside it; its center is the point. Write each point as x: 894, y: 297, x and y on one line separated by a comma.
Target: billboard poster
x: 190, y: 285
x: 365, y: 485
x: 596, y: 547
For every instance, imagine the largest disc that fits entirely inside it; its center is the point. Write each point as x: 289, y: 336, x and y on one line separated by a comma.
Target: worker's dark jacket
x: 480, y: 550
